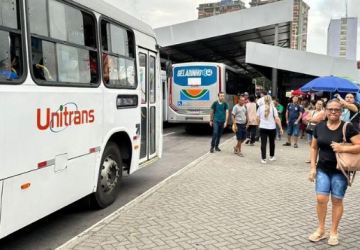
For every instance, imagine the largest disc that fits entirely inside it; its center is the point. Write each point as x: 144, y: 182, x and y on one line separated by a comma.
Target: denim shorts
x: 293, y: 129
x: 309, y: 137
x: 241, y: 132
x: 331, y: 182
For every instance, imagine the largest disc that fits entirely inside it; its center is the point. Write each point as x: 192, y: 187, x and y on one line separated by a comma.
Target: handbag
x: 347, y: 163
x: 310, y: 126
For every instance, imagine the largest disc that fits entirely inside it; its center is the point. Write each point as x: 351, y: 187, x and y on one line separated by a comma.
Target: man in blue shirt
x: 293, y: 116
x: 219, y: 117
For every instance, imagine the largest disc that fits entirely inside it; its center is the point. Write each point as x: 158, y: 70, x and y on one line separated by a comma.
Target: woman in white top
x: 268, y: 117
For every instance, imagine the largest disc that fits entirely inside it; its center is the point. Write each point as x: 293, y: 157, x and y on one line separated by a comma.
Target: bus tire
x: 109, y: 179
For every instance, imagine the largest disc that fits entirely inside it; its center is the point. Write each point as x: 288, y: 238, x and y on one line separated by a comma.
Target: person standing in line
x: 240, y: 118
x: 293, y: 115
x: 313, y: 118
x: 252, y: 123
x: 280, y: 110
x: 246, y: 95
x: 328, y: 137
x: 350, y: 109
x: 219, y: 117
x: 268, y: 117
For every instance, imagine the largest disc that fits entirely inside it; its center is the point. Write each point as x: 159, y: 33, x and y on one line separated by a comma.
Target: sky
x: 160, y: 13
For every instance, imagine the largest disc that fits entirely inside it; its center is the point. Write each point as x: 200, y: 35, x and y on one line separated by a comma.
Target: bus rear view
x: 193, y: 88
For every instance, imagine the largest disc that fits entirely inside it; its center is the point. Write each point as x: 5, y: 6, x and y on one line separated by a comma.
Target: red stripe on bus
x: 42, y: 164
x: 92, y: 150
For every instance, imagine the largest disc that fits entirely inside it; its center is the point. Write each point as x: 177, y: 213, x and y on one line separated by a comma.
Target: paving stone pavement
x: 227, y: 202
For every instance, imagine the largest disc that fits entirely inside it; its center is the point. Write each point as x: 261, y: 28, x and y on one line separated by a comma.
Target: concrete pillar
x: 274, y: 86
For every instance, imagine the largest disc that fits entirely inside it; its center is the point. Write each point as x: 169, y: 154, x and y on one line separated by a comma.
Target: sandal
x: 333, y: 240
x: 308, y: 161
x: 236, y: 150
x: 315, y: 237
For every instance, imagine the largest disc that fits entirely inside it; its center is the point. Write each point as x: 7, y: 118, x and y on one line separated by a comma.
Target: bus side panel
x: 36, y: 128
x: 122, y: 119
x: 48, y: 192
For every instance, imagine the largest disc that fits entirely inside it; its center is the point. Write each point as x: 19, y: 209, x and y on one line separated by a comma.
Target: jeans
x: 293, y: 129
x: 251, y: 133
x: 333, y: 182
x: 264, y: 134
x: 218, y: 128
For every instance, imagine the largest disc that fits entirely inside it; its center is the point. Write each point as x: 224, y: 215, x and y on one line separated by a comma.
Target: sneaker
x: 272, y: 158
x: 211, y: 150
x: 295, y: 146
x: 287, y: 144
x: 247, y: 141
x: 263, y: 161
x: 217, y: 149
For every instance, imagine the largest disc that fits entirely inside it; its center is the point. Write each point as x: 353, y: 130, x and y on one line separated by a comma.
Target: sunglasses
x: 334, y: 110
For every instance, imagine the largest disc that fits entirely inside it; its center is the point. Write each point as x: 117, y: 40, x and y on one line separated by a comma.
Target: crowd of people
x: 325, y: 125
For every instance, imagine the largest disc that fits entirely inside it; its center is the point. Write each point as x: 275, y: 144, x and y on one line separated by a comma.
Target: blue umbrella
x: 330, y: 84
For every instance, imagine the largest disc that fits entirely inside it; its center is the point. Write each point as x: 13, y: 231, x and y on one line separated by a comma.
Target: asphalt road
x: 180, y: 148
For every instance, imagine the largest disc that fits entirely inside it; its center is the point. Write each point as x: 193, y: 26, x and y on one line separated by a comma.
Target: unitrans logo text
x: 67, y: 115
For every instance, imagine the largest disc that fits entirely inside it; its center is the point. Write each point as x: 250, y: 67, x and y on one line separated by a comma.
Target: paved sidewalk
x: 227, y: 202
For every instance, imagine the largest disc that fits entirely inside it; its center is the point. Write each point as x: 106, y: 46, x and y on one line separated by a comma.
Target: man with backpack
x: 219, y: 117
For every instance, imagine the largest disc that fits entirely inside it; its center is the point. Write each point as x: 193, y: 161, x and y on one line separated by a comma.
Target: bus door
x: 147, y: 81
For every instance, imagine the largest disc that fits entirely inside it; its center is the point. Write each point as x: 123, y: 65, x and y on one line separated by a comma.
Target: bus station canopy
x: 223, y: 38
x: 302, y: 66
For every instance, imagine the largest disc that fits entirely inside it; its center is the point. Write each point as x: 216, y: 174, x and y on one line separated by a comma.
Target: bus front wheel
x: 110, y: 173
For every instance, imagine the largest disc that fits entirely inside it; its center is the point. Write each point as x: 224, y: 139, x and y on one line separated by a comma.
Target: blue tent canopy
x: 330, y: 84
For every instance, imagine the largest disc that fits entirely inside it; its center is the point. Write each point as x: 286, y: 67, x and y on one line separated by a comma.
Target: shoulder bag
x: 310, y: 126
x: 346, y: 162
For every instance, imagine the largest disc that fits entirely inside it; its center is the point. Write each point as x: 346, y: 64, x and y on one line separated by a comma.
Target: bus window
x: 9, y: 14
x: 118, y: 56
x: 11, y: 59
x: 152, y: 79
x: 64, y: 52
x: 44, y: 62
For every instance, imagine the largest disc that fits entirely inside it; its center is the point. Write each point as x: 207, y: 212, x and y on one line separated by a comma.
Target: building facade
x: 216, y: 8
x: 299, y: 25
x: 342, y: 38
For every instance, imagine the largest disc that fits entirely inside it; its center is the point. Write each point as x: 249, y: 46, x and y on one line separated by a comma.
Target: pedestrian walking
x: 313, y: 118
x: 293, y: 116
x: 268, y: 117
x: 280, y: 110
x: 240, y: 118
x: 328, y: 136
x: 252, y: 123
x: 219, y: 117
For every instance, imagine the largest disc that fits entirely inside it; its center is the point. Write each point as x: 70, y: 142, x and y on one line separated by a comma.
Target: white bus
x: 80, y: 102
x: 195, y: 86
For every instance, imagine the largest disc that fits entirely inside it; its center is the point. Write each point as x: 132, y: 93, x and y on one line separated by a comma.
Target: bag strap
x: 350, y: 175
x: 353, y: 115
x: 344, y: 131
